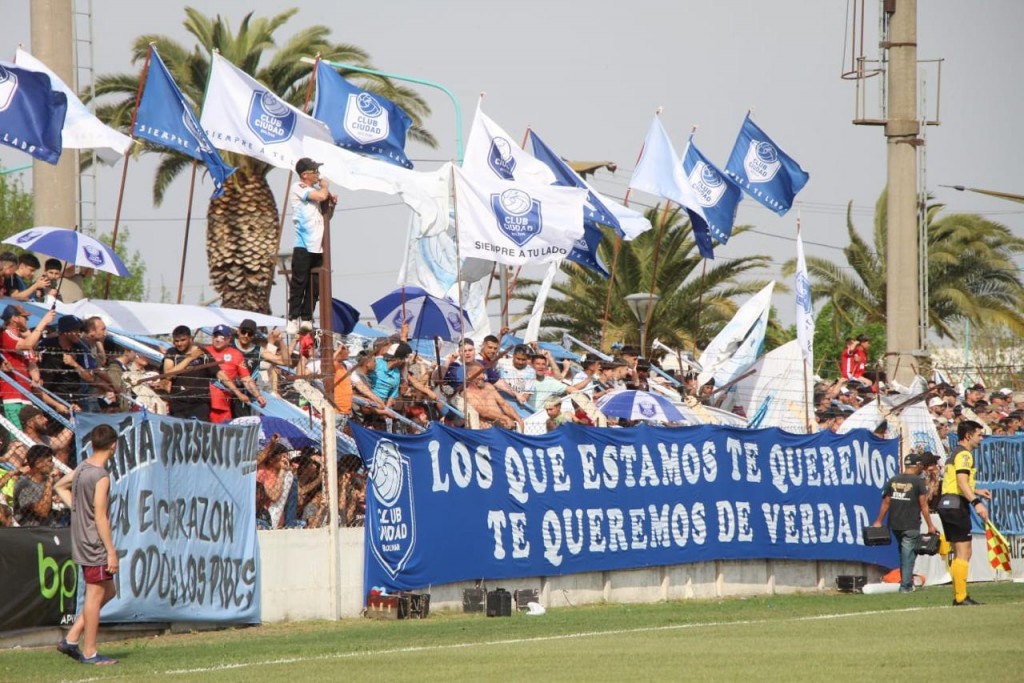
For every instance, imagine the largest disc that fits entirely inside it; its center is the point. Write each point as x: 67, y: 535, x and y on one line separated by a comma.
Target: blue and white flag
x: 242, y: 115
x: 516, y: 223
x: 804, y: 309
x: 763, y: 170
x: 736, y: 347
x: 584, y: 250
x: 165, y: 118
x: 659, y: 172
x: 718, y: 194
x: 82, y: 130
x: 31, y: 113
x: 361, y: 121
x: 491, y: 153
x: 594, y: 211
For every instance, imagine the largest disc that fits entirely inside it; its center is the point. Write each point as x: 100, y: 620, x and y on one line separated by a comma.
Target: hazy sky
x: 588, y: 78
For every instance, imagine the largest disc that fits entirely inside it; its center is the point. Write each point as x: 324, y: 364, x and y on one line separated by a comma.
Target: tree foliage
x: 694, y: 303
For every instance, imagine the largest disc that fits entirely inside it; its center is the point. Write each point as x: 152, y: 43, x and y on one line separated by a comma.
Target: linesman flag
x: 717, y: 194
x: 998, y: 548
x: 242, y: 115
x: 165, y: 118
x: 31, y: 113
x: 516, y: 223
x: 660, y: 172
x: 763, y: 170
x: 361, y: 121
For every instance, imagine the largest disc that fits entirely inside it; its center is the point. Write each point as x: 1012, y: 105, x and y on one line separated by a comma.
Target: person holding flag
x: 959, y: 497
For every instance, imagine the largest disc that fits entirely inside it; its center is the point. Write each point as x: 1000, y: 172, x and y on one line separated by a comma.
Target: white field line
x: 520, y: 641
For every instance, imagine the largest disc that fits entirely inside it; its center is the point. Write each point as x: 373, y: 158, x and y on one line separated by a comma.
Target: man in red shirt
x: 17, y: 345
x: 232, y: 364
x: 859, y: 361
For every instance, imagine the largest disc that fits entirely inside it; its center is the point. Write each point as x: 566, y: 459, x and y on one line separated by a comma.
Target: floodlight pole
x: 411, y: 79
x: 642, y: 303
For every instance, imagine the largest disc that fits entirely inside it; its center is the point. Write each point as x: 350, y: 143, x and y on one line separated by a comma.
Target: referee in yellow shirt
x: 959, y: 496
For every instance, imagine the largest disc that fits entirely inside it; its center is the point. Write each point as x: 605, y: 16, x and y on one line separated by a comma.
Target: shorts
x: 956, y: 524
x: 97, y: 574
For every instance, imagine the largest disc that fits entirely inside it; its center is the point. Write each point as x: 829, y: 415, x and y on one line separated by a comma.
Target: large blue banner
x: 182, y: 496
x: 1000, y: 469
x: 450, y: 505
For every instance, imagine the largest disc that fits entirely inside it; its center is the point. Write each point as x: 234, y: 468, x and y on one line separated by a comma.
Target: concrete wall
x: 295, y: 581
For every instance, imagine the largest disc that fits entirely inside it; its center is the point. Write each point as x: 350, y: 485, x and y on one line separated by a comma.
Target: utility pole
x: 902, y: 137
x: 54, y: 187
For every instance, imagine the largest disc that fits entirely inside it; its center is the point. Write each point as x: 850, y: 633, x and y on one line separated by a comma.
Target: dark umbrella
x: 344, y: 317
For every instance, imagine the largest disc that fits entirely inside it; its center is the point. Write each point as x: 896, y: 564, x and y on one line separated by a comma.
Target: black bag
x: 927, y: 544
x: 877, y: 535
x: 499, y: 603
x: 949, y: 501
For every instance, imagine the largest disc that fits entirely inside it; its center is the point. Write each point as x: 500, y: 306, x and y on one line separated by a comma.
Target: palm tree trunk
x: 241, y: 237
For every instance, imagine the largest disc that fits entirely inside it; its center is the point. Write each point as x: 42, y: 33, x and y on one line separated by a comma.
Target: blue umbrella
x: 343, y: 316
x: 428, y: 316
x: 70, y: 246
x: 639, y: 405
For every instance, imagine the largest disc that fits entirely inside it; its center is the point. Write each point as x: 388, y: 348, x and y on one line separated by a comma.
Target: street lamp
x: 641, y: 304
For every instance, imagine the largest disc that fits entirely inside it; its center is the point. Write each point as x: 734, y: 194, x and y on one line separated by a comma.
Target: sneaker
x: 71, y: 650
x: 292, y: 327
x: 906, y: 590
x: 966, y: 602
x: 98, y: 659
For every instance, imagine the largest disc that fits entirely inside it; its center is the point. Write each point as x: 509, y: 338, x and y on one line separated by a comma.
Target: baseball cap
x: 12, y: 310
x: 247, y: 325
x: 929, y: 458
x: 935, y: 402
x: 1006, y: 391
x: 27, y: 413
x: 977, y: 387
x: 69, y: 323
x: 399, y: 351
x: 222, y: 331
x: 912, y: 460
x: 306, y: 164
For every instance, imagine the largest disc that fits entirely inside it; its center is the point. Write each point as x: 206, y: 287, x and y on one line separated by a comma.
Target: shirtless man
x: 489, y: 404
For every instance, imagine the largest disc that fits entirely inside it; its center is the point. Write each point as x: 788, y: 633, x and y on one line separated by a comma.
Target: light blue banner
x: 450, y: 505
x: 184, y: 520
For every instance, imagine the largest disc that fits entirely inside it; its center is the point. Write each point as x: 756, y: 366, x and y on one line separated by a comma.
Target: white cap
x: 936, y: 401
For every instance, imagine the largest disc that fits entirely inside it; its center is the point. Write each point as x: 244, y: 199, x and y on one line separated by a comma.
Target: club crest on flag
x: 518, y: 215
x: 192, y: 127
x: 8, y: 87
x: 94, y: 256
x: 803, y: 292
x: 707, y: 183
x: 393, y: 526
x: 270, y: 118
x: 761, y: 162
x: 500, y: 159
x: 366, y: 120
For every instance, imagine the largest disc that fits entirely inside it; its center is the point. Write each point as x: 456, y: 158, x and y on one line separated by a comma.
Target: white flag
x: 533, y: 327
x: 491, y: 153
x: 426, y: 193
x: 736, y: 347
x: 243, y: 116
x: 660, y: 172
x: 804, y: 311
x: 82, y: 130
x: 516, y: 223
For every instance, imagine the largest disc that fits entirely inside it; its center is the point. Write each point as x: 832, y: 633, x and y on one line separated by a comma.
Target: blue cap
x: 222, y: 331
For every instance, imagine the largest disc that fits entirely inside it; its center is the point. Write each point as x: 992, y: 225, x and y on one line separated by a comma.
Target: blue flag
x: 717, y: 193
x: 31, y: 113
x: 360, y: 120
x: 584, y: 251
x: 594, y: 211
x: 764, y: 171
x: 165, y: 118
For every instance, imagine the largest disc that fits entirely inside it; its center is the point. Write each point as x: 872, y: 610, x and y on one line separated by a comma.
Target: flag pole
x: 124, y: 170
x: 188, y: 225
x: 458, y: 276
x: 287, y: 187
x: 807, y: 413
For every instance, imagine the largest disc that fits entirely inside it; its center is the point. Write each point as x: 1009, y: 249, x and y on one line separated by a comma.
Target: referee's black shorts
x: 956, y: 524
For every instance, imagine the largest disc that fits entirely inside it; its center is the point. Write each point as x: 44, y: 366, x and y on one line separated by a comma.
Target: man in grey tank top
x: 87, y: 492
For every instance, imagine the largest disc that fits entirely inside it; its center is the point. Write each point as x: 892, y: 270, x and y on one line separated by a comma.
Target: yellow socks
x: 958, y: 571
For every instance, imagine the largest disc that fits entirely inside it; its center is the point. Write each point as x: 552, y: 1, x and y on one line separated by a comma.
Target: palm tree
x: 242, y: 225
x: 688, y: 294
x: 971, y: 274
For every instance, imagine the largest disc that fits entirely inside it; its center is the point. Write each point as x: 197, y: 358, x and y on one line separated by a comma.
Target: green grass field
x: 830, y: 637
